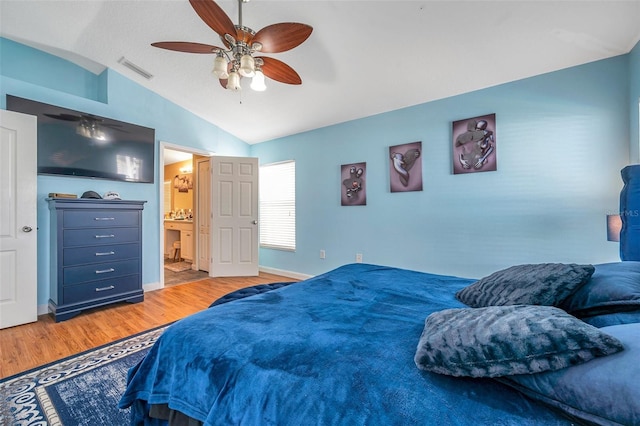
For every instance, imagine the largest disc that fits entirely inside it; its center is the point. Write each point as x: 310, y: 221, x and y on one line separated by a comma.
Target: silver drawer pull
x: 104, y: 218
x: 111, y: 287
x: 106, y: 253
x: 105, y: 271
x: 105, y: 236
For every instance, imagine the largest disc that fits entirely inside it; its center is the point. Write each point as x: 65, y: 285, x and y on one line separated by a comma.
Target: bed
x: 543, y: 344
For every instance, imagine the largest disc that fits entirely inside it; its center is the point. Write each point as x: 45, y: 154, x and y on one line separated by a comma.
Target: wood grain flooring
x: 31, y: 345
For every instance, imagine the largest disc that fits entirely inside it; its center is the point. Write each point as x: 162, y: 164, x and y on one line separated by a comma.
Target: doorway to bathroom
x: 181, y: 258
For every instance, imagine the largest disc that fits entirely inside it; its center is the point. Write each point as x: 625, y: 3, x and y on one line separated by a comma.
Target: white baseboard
x: 43, y: 309
x: 284, y: 273
x: 152, y: 286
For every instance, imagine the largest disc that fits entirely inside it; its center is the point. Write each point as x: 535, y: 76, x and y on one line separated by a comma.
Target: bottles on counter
x: 180, y: 214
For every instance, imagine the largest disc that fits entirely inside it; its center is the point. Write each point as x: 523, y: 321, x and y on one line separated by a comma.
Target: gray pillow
x: 546, y: 284
x: 506, y: 340
x: 605, y: 391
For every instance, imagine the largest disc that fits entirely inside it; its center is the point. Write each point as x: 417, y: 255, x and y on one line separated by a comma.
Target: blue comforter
x: 336, y: 349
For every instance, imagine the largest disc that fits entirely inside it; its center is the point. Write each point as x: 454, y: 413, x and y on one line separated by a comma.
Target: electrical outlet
x: 322, y: 254
x: 358, y: 257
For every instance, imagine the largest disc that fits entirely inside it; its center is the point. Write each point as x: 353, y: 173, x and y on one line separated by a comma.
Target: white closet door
x: 18, y: 220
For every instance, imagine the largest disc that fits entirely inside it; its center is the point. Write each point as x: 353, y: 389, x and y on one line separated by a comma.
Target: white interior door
x: 203, y: 214
x: 18, y: 220
x: 234, y: 222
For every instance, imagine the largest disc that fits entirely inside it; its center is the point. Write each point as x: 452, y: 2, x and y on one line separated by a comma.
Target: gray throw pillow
x: 507, y: 340
x: 546, y: 284
x: 605, y: 391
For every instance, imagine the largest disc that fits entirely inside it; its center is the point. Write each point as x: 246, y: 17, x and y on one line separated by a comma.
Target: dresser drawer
x: 100, y: 218
x: 102, y: 253
x: 100, y: 271
x: 179, y: 226
x: 99, y: 236
x: 99, y: 289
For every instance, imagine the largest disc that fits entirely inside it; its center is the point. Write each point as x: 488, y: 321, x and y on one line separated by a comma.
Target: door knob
x: 27, y: 229
x: 255, y: 222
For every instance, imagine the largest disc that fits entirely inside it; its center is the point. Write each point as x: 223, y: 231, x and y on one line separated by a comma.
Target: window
x: 278, y: 205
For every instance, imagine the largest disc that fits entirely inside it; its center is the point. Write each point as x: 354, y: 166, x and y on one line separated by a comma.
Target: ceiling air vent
x: 133, y: 67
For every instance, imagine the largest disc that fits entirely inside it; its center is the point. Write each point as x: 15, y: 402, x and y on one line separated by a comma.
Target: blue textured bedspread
x: 336, y: 349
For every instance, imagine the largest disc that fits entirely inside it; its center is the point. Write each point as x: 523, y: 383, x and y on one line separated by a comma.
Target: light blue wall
x: 634, y: 100
x: 562, y: 139
x: 17, y: 62
x: 32, y: 74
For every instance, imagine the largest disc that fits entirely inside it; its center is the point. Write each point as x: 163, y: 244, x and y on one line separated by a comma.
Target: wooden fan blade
x: 278, y: 38
x: 214, y: 16
x: 188, y: 47
x: 279, y: 71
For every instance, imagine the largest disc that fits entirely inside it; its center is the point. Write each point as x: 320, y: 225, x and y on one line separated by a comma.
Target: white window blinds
x: 278, y: 205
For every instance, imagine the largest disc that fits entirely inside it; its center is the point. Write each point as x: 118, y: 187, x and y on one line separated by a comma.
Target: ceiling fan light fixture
x: 220, y: 67
x: 235, y: 59
x: 257, y: 82
x: 247, y: 66
x: 233, y: 83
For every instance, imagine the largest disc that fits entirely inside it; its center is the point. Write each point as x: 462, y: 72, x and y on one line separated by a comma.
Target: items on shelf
x: 61, y: 195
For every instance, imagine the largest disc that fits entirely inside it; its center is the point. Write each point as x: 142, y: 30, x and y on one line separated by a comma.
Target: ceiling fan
x: 236, y: 59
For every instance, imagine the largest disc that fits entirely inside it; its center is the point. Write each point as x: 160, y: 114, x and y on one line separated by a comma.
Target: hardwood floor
x: 31, y: 345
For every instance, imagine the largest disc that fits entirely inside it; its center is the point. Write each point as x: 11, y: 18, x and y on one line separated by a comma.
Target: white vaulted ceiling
x: 363, y: 57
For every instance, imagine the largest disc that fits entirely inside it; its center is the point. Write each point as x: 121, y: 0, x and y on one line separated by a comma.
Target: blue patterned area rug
x: 83, y: 389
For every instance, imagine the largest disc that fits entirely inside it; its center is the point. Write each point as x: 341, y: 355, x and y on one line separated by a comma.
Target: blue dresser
x: 96, y: 254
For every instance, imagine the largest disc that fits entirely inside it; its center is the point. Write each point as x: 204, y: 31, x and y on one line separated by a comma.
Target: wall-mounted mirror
x: 178, y: 183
